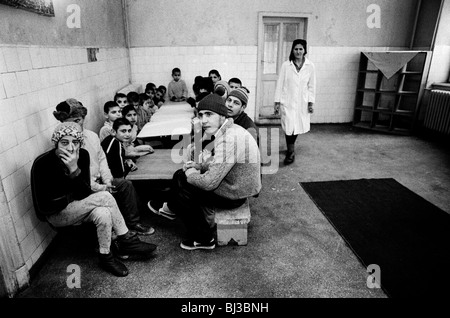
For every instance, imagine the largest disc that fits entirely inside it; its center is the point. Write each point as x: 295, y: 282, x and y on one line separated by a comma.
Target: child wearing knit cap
x: 222, y: 89
x: 236, y: 103
x: 223, y: 173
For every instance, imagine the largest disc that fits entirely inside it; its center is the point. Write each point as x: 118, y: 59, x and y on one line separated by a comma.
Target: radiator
x: 437, y: 117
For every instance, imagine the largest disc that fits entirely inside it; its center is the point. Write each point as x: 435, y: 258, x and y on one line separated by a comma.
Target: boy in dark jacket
x: 113, y: 147
x: 236, y: 103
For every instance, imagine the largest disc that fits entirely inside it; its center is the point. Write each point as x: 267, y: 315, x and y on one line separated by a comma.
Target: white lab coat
x: 294, y: 90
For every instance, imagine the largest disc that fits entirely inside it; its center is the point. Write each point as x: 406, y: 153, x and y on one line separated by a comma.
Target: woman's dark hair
x: 216, y: 72
x: 294, y: 44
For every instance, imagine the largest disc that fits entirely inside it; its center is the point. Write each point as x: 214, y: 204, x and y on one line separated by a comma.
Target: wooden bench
x: 232, y: 225
x: 131, y: 88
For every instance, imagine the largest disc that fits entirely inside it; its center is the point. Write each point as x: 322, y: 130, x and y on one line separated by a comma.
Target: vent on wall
x: 437, y: 117
x: 92, y: 54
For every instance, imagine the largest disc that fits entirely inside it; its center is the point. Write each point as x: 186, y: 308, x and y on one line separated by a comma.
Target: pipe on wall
x: 416, y: 20
x: 436, y: 27
x: 127, y: 36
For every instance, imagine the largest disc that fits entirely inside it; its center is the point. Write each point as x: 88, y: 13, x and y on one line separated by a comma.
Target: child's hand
x: 191, y: 164
x: 110, y: 188
x: 150, y: 149
x: 133, y: 167
x: 69, y: 159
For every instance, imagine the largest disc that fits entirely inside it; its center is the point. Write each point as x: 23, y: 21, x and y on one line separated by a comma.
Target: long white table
x: 160, y: 165
x: 170, y: 120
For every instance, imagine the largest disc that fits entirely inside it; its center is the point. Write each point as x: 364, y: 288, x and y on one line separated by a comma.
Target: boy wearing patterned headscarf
x: 62, y: 195
x: 123, y: 190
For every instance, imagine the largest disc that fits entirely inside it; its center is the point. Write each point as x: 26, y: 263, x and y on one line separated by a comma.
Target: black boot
x: 290, y: 155
x: 112, y: 265
x: 131, y: 244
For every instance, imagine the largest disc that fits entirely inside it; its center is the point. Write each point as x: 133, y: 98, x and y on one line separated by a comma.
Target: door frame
x: 261, y: 15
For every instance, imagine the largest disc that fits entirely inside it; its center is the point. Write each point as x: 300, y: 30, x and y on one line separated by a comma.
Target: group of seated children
x: 125, y: 116
x: 119, y: 137
x: 89, y: 190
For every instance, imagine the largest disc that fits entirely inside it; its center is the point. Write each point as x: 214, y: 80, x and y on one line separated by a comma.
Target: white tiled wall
x: 155, y: 64
x: 33, y: 80
x: 336, y: 72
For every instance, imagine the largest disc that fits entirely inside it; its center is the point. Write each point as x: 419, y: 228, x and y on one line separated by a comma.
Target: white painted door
x: 275, y: 42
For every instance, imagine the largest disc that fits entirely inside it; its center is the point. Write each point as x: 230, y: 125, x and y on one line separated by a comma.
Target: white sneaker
x: 166, y: 212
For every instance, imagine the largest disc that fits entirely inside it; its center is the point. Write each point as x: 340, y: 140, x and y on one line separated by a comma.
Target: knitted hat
x: 68, y: 129
x: 214, y: 103
x: 240, y: 93
x: 222, y: 88
x: 69, y: 109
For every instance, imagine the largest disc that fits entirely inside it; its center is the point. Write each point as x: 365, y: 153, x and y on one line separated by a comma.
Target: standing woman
x: 295, y: 96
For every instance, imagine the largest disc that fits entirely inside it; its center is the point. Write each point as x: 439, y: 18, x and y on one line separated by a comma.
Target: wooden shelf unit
x: 390, y: 105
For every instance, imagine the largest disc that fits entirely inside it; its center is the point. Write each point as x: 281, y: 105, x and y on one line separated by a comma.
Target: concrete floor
x: 292, y: 251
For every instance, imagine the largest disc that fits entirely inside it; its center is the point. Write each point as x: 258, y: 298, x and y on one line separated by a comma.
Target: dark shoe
x: 112, y: 265
x: 117, y: 253
x: 141, y: 229
x: 192, y: 245
x: 290, y: 158
x: 133, y: 245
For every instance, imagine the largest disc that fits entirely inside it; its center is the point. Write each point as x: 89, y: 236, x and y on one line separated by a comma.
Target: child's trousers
x: 101, y: 209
